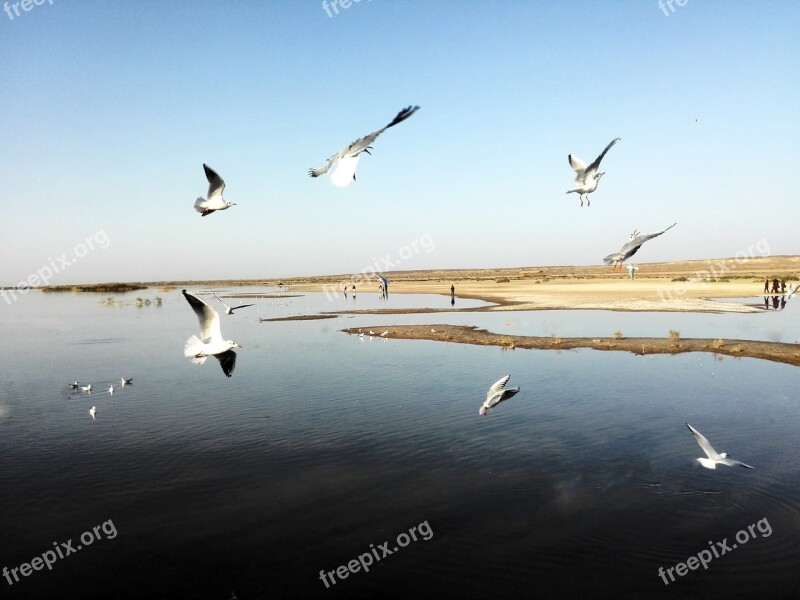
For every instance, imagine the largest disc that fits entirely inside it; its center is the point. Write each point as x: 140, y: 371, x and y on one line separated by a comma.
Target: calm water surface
x: 322, y: 445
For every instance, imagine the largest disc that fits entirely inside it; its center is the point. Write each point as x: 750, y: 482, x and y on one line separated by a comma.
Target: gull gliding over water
x: 632, y: 247
x: 587, y: 178
x: 497, y: 394
x: 714, y: 458
x: 228, y: 309
x: 214, y: 202
x: 211, y: 343
x: 348, y: 157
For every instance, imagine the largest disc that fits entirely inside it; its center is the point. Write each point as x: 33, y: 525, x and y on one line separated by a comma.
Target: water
x: 322, y: 445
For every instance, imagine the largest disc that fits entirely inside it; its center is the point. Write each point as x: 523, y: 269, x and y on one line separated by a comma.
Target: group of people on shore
x: 775, y: 286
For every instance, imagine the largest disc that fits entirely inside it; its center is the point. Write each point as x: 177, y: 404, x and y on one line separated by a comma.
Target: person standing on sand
x: 783, y: 286
x: 452, y: 290
x: 766, y: 285
x: 775, y: 286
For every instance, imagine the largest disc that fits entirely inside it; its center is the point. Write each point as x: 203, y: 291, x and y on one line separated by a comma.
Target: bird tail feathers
x: 197, y: 205
x: 193, y: 348
x: 610, y: 259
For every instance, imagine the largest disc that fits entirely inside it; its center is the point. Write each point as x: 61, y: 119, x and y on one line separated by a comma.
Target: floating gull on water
x: 74, y: 386
x: 587, y: 178
x: 125, y: 382
x: 228, y: 309
x: 87, y: 388
x: 214, y: 202
x: 93, y: 411
x: 348, y: 157
x: 111, y: 390
x: 713, y: 459
x: 496, y: 394
x: 211, y: 343
x: 632, y: 247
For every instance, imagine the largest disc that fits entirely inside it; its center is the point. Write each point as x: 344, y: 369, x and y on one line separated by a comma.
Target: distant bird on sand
x: 713, y: 459
x: 228, y: 309
x: 214, y: 202
x: 632, y: 270
x: 497, y: 394
x: 632, y: 247
x: 587, y: 178
x: 210, y: 343
x: 93, y: 411
x: 348, y: 157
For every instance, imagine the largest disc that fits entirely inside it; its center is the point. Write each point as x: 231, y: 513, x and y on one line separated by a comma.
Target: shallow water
x: 322, y: 444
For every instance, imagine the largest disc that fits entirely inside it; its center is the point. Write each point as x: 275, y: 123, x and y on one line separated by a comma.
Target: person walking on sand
x: 766, y: 285
x: 783, y: 286
x: 452, y: 290
x: 775, y: 286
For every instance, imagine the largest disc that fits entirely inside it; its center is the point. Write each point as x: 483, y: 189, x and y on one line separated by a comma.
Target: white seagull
x: 87, y: 388
x: 496, y: 394
x: 632, y: 270
x: 93, y: 411
x: 125, y: 382
x: 632, y: 247
x: 111, y: 390
x: 713, y: 459
x: 211, y: 343
x: 348, y: 157
x: 587, y: 178
x: 228, y: 309
x: 214, y: 201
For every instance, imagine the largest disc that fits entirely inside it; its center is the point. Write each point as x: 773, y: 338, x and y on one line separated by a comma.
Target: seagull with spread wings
x: 214, y: 201
x: 347, y: 158
x: 497, y: 394
x: 632, y: 247
x: 714, y: 458
x: 210, y: 342
x: 587, y: 178
x: 228, y: 309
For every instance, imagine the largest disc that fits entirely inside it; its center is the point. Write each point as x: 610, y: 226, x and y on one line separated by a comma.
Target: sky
x: 109, y: 109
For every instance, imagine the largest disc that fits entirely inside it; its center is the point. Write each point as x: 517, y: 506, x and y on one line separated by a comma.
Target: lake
x: 324, y: 447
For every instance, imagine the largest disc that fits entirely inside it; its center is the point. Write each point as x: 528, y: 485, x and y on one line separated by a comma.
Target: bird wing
x: 221, y: 300
x: 497, y: 387
x: 345, y: 172
x: 383, y: 280
x: 641, y: 239
x: 734, y: 463
x: 362, y: 143
x: 227, y: 360
x: 241, y: 306
x: 207, y: 316
x: 326, y: 168
x: 704, y: 443
x: 215, y: 183
x: 578, y: 166
x: 596, y: 164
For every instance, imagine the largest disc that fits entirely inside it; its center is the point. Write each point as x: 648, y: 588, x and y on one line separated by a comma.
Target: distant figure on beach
x: 452, y: 290
x: 766, y: 285
x: 775, y: 286
x: 783, y: 286
x: 354, y: 290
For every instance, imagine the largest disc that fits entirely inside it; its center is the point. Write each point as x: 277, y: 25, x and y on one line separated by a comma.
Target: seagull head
x: 229, y: 204
x: 723, y: 455
x: 232, y: 345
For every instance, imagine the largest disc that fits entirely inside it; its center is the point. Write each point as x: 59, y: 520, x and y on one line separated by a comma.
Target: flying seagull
x: 587, y: 178
x: 713, y: 459
x: 632, y: 270
x: 496, y: 394
x: 632, y: 247
x: 214, y: 202
x: 211, y: 343
x: 348, y: 157
x: 385, y: 282
x: 228, y: 309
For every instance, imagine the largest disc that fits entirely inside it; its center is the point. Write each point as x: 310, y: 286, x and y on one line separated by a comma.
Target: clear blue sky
x: 109, y: 110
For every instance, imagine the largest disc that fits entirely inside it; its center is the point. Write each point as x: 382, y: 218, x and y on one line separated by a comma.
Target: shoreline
x: 464, y: 334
